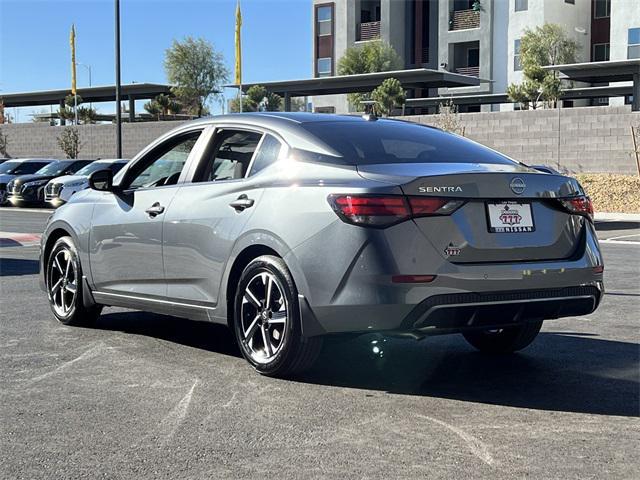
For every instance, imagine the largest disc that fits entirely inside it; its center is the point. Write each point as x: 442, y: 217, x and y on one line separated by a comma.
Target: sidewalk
x: 617, y: 217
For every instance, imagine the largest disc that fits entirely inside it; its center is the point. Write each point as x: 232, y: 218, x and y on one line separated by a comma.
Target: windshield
x: 54, y: 168
x: 365, y: 143
x: 18, y: 167
x: 93, y: 167
x: 6, y: 167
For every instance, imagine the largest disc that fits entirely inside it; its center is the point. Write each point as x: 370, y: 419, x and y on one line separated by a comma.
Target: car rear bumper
x: 461, y: 296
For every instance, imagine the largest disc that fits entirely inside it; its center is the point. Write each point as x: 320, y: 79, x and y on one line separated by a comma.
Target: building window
x: 324, y: 67
x: 600, y: 52
x: 517, y: 66
x: 324, y: 20
x: 522, y: 5
x: 633, y: 50
x: 602, y: 8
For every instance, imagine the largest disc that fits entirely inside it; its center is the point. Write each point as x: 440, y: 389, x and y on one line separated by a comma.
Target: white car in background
x: 59, y: 190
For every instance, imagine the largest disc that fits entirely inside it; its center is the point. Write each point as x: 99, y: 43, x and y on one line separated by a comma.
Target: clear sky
x: 35, y: 54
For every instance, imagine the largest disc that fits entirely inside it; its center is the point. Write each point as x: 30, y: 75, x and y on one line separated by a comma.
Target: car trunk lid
x: 511, y: 212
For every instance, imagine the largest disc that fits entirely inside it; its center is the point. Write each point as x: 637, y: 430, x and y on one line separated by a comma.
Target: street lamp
x: 88, y: 67
x: 118, y: 113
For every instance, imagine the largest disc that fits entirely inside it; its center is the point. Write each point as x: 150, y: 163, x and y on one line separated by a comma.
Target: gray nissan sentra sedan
x: 290, y: 227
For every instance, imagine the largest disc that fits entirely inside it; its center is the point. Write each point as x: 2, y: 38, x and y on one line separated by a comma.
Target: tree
x: 389, y: 95
x: 542, y: 46
x: 4, y: 143
x: 69, y: 142
x: 163, y: 105
x: 87, y: 115
x: 256, y: 99
x: 376, y: 56
x: 448, y: 118
x: 197, y: 70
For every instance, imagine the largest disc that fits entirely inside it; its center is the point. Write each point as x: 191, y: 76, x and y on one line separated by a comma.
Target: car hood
x: 30, y: 178
x: 67, y: 179
x: 6, y: 177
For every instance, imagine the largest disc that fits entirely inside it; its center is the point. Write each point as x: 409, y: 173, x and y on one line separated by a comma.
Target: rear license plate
x: 510, y: 217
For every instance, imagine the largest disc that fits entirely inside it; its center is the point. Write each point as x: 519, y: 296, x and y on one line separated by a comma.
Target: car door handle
x: 154, y: 210
x: 242, y: 203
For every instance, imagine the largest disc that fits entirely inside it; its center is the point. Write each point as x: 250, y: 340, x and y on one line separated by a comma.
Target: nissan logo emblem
x: 517, y: 185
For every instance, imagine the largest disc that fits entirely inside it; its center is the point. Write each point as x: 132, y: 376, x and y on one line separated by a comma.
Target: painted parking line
x: 10, y: 239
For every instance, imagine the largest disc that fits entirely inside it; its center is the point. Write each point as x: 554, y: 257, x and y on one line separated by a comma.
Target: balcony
x: 471, y: 71
x: 464, y: 19
x: 368, y: 31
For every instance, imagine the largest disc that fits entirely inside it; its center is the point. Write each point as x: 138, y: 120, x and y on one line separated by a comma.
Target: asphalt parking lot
x: 150, y: 396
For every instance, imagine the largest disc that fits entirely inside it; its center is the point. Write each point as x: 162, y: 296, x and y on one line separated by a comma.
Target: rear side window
x: 266, y: 155
x: 229, y: 157
x: 387, y: 141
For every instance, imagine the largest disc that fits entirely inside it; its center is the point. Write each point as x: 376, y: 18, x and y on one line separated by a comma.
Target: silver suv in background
x: 59, y: 190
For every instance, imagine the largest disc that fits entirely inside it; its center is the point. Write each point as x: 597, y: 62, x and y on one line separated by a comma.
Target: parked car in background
x: 19, y: 166
x: 2, y: 160
x: 291, y: 226
x: 29, y: 189
x: 59, y: 190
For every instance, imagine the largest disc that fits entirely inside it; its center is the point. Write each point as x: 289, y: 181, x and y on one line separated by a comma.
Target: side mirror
x: 101, y: 180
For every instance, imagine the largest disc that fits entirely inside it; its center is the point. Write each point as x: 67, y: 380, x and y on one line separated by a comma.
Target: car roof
x: 290, y: 125
x: 35, y: 160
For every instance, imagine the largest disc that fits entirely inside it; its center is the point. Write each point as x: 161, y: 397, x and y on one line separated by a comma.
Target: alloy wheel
x: 62, y: 281
x: 263, y: 317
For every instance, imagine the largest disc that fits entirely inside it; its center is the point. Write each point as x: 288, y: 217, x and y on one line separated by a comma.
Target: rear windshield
x: 384, y: 141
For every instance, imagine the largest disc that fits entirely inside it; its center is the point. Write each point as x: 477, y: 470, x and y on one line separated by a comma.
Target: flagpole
x: 240, y: 95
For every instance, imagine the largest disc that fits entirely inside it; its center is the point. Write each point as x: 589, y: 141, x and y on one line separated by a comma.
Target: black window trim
x: 218, y: 127
x: 153, y: 148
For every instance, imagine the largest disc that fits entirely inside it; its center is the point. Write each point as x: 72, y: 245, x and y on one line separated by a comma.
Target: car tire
x: 267, y: 320
x: 63, y: 277
x: 505, y: 340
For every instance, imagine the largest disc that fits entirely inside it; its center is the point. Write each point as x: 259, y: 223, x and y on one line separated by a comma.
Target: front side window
x: 517, y: 64
x: 229, y: 157
x: 522, y: 5
x: 634, y: 43
x: 266, y: 155
x: 164, y: 164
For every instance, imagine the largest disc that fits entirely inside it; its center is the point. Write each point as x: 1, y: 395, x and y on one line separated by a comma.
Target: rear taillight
x: 579, y: 206
x: 385, y: 210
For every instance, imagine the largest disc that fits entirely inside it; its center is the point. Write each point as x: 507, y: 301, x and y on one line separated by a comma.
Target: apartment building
x: 472, y: 37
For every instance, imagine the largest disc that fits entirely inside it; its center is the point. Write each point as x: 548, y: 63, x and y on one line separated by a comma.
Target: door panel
x: 126, y: 242
x: 199, y: 231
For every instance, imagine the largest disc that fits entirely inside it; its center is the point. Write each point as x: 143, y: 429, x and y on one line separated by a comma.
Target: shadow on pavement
x: 604, y: 226
x: 558, y: 372
x: 18, y: 266
x: 203, y: 335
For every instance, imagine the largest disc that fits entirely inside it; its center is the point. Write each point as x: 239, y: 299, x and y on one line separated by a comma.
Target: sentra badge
x: 443, y: 189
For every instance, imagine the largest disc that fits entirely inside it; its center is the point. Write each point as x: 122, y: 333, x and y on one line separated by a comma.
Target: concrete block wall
x: 588, y: 139
x: 97, y: 141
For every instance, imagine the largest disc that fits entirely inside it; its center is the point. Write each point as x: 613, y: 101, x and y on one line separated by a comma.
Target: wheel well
x: 242, y: 260
x: 51, y: 240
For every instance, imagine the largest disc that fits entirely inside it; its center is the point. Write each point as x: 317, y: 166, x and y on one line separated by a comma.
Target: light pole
x: 88, y: 67
x: 118, y: 113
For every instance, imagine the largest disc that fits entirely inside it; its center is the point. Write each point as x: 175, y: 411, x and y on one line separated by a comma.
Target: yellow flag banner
x: 238, y: 45
x: 72, y: 41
